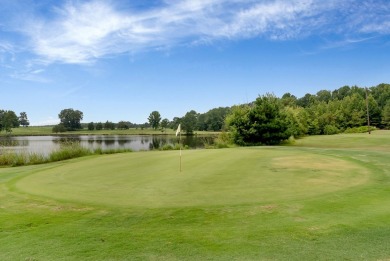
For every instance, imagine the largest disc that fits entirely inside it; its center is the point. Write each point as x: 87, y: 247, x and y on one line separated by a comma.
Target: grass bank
x: 67, y: 151
x: 322, y: 199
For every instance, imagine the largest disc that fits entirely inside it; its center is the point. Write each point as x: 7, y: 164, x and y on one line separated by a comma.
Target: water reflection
x: 46, y: 144
x: 9, y: 142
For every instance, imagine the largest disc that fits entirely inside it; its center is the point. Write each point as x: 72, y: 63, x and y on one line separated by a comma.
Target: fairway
x: 324, y: 198
x: 209, y: 177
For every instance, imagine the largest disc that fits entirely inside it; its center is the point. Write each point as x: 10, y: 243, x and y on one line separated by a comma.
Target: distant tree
x: 23, y: 120
x: 289, y: 100
x: 122, y: 125
x: 154, y: 119
x: 174, y: 123
x: 8, y: 120
x: 91, y: 126
x: 297, y: 120
x: 374, y: 111
x: 71, y: 119
x: 306, y: 100
x: 354, y: 110
x: 109, y: 125
x: 358, y: 90
x: 202, y: 122
x: 381, y: 94
x: 386, y: 115
x: 322, y: 114
x: 324, y: 95
x: 341, y: 93
x: 213, y: 120
x: 189, y: 122
x: 99, y: 126
x: 164, y: 123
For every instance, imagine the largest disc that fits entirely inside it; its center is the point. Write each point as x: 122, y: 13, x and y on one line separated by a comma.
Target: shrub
x: 167, y: 147
x: 361, y: 129
x: 59, y: 128
x: 330, y: 130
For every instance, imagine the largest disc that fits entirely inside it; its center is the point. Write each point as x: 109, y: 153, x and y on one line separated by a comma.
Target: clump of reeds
x: 67, y: 151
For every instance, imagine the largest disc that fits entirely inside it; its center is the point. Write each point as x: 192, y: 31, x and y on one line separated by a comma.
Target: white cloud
x: 83, y: 31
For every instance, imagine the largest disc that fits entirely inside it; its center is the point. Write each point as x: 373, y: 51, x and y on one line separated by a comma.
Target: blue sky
x: 121, y: 60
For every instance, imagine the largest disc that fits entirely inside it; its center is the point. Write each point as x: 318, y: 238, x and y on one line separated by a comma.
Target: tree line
x: 267, y: 120
x: 271, y: 120
x: 212, y: 120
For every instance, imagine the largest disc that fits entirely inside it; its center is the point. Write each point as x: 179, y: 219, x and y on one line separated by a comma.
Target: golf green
x: 208, y: 177
x: 324, y: 198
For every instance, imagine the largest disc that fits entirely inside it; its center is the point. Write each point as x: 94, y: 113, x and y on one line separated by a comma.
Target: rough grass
x: 303, y: 202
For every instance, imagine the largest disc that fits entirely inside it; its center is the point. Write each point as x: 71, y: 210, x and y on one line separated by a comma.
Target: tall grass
x: 68, y: 151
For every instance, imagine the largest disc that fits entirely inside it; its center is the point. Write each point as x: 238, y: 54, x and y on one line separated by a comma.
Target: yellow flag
x: 178, y: 130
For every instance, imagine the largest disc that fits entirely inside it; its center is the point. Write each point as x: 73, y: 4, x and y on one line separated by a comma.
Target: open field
x: 325, y: 198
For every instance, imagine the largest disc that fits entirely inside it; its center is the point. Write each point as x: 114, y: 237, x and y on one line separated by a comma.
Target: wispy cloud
x: 32, y: 75
x: 83, y: 31
x: 6, y: 54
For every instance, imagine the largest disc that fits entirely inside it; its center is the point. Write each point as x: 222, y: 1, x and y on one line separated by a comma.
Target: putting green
x: 208, y: 177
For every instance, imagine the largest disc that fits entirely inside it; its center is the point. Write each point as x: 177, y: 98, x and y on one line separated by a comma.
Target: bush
x: 361, y: 129
x: 59, y: 128
x: 330, y: 130
x: 167, y: 147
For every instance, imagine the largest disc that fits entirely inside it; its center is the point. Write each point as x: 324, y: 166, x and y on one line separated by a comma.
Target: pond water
x: 46, y: 144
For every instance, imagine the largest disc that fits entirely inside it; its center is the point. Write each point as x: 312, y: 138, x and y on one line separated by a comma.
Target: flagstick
x: 180, y: 149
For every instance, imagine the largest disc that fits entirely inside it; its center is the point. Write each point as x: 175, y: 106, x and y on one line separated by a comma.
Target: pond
x: 46, y: 144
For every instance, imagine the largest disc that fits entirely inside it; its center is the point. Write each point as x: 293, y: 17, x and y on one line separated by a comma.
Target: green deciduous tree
x: 71, y: 119
x: 99, y: 126
x: 238, y: 124
x: 297, y: 120
x: 8, y: 120
x: 164, y: 124
x: 386, y: 115
x: 108, y: 125
x: 23, y: 120
x: 91, y: 126
x: 154, y: 119
x: 262, y: 123
x: 189, y: 122
x: 123, y: 125
x: 324, y: 95
x: 213, y: 120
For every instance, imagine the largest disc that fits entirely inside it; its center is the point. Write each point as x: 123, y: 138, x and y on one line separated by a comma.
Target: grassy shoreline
x: 66, y: 152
